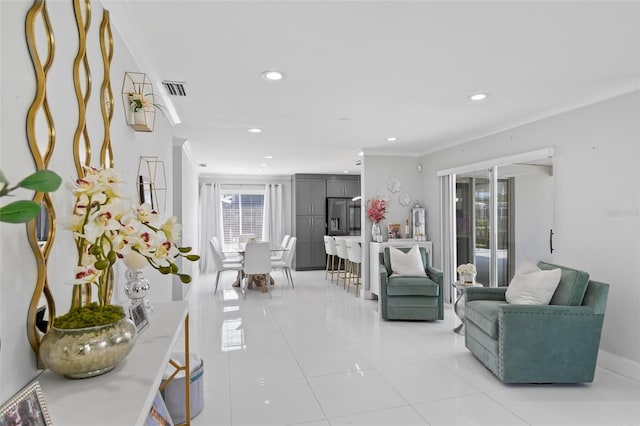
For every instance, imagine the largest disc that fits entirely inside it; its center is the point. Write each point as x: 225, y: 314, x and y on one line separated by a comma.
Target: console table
x: 374, y: 252
x: 124, y: 395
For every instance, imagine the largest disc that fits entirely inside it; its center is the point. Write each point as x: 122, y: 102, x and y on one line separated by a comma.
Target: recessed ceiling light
x: 361, y: 153
x: 268, y: 157
x: 272, y: 75
x: 478, y: 96
x: 392, y: 139
x: 254, y: 130
x: 346, y: 171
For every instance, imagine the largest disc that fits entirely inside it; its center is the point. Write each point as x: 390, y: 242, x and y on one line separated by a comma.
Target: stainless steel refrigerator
x: 343, y: 216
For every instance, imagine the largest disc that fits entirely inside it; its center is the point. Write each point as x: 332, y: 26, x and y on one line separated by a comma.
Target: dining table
x: 258, y: 280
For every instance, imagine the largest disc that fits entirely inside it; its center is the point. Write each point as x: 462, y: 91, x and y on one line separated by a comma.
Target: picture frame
x: 138, y: 314
x: 27, y: 407
x: 395, y: 230
x: 158, y: 413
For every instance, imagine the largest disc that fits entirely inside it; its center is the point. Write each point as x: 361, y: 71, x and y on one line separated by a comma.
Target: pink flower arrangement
x: 376, y: 209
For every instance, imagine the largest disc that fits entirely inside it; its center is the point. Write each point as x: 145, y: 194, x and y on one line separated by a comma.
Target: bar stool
x: 343, y: 260
x: 354, y: 250
x: 332, y: 253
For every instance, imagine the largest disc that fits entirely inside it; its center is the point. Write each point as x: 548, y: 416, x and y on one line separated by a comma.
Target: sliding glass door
x: 474, y: 209
x: 502, y: 215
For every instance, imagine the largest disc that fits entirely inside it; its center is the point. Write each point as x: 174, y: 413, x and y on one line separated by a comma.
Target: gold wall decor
x: 81, y: 66
x: 106, y: 94
x: 152, y: 183
x: 137, y: 99
x: 38, y: 18
x: 82, y: 10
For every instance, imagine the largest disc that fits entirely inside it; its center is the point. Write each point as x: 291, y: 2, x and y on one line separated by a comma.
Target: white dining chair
x: 354, y: 249
x: 278, y: 255
x: 221, y: 266
x: 257, y: 261
x: 225, y: 258
x: 287, y: 260
x: 343, y: 261
x: 332, y: 253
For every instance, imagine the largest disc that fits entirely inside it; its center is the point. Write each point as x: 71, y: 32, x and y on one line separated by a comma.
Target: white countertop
x: 124, y: 395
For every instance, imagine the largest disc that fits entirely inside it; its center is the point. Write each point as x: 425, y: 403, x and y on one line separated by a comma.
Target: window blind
x: 242, y: 213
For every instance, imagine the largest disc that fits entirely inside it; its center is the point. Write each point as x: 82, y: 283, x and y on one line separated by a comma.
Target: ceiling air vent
x: 175, y: 88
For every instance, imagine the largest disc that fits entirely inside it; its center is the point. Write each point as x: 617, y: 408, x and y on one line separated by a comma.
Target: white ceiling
x: 361, y: 71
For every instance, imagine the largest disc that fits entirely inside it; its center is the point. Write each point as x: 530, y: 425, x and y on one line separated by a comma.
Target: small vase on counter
x: 376, y: 233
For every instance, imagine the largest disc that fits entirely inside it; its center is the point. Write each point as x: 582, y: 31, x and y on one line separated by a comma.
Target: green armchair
x: 555, y: 343
x: 408, y: 297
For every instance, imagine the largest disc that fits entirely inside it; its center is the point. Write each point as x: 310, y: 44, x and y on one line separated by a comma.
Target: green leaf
x: 42, y: 180
x: 19, y: 211
x: 3, y: 179
x: 193, y: 257
x: 184, y: 249
x: 186, y: 279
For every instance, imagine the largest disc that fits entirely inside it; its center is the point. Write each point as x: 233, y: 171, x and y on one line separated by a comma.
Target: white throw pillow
x: 407, y: 264
x: 532, y: 285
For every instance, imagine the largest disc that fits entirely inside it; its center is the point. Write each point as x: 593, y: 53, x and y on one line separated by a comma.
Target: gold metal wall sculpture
x: 38, y: 16
x: 106, y: 107
x: 81, y: 66
x: 106, y: 94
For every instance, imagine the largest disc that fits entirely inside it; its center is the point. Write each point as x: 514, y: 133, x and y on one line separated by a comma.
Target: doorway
x: 497, y: 214
x: 473, y: 242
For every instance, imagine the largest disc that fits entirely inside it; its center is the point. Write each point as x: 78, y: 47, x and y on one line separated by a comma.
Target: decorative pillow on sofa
x: 407, y: 264
x: 532, y: 286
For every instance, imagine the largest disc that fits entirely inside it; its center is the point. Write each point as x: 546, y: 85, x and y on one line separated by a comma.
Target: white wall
x: 376, y: 172
x: 17, y: 82
x: 187, y: 198
x: 596, y: 203
x: 533, y: 217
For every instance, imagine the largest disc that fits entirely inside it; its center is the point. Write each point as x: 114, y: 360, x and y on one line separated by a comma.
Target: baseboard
x: 623, y: 366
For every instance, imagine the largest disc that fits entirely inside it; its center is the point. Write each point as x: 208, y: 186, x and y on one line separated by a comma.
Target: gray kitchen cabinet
x: 310, y: 216
x: 311, y: 197
x: 310, y: 253
x: 347, y: 188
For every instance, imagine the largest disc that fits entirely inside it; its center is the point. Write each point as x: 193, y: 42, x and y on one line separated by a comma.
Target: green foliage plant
x: 22, y: 211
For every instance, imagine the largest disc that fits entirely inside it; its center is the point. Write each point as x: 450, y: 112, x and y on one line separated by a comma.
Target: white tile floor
x: 316, y: 355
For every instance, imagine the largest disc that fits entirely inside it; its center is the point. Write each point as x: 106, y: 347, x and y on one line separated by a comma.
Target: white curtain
x: 273, y: 222
x: 210, y: 223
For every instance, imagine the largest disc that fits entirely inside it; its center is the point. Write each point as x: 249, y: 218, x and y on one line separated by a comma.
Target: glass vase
x: 376, y: 233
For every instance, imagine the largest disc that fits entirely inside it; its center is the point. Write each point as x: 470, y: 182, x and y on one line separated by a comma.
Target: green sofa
x: 555, y: 343
x: 410, y: 298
